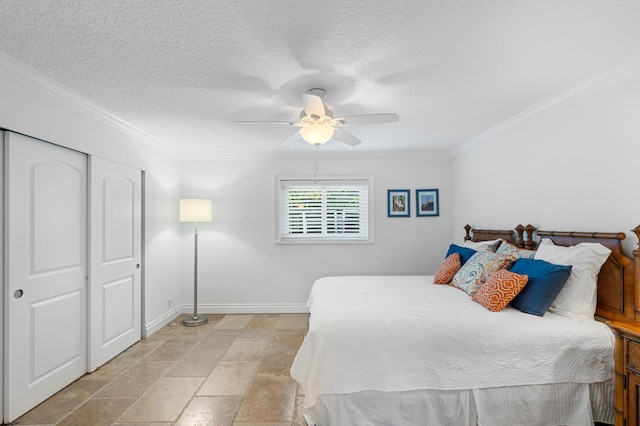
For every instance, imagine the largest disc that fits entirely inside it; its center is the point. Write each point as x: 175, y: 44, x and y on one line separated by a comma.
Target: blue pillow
x: 545, y: 282
x: 464, y: 252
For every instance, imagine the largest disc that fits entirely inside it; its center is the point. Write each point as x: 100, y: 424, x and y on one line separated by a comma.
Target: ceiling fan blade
x: 359, y: 120
x: 313, y: 105
x: 345, y: 137
x: 292, y: 139
x: 263, y: 122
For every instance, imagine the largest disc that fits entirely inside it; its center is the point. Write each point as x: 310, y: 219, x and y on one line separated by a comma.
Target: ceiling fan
x: 318, y: 126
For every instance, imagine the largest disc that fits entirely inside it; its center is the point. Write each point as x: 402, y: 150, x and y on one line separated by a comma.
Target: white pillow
x: 577, y: 299
x: 489, y: 246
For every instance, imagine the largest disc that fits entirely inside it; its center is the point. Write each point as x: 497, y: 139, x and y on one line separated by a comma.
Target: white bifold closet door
x: 115, y: 270
x: 45, y: 271
x: 72, y: 267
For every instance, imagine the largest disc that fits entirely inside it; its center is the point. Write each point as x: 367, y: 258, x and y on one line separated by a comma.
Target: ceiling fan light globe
x: 316, y: 134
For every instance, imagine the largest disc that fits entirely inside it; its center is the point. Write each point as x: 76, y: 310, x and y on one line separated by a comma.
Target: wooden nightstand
x: 627, y: 370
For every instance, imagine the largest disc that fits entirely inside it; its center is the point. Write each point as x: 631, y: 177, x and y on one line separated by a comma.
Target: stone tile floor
x: 232, y: 371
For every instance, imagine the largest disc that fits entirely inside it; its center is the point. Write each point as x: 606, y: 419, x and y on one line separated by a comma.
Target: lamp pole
x: 194, y: 320
x: 195, y: 210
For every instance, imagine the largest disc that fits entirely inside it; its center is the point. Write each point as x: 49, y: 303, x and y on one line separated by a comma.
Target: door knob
x: 18, y: 294
x: 137, y: 266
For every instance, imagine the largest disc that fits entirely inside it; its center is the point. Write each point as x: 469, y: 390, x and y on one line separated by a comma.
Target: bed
x: 401, y: 350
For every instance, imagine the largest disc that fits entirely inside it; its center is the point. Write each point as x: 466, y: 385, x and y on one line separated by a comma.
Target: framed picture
x: 427, y: 203
x: 398, y: 202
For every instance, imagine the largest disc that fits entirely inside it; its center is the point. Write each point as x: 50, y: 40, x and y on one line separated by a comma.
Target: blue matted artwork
x: 427, y: 202
x: 398, y: 203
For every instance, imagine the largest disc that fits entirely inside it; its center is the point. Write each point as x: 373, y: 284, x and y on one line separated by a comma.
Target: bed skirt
x: 551, y: 404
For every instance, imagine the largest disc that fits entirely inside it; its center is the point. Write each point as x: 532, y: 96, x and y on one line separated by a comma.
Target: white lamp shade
x: 317, y: 134
x: 195, y: 210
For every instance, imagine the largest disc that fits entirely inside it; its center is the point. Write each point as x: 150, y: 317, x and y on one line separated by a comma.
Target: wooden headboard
x: 516, y: 235
x: 619, y: 278
x: 617, y: 286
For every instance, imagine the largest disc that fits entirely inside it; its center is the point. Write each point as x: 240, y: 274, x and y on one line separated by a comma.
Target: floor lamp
x: 195, y: 210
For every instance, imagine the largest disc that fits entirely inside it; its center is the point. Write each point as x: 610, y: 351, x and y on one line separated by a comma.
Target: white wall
x: 32, y: 105
x: 574, y: 168
x: 241, y: 268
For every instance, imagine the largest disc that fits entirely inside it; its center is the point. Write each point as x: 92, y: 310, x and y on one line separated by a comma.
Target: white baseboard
x: 241, y: 308
x: 158, y: 323
x: 247, y: 308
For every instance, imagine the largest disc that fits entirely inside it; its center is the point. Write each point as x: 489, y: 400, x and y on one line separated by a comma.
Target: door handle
x: 18, y: 293
x: 137, y: 266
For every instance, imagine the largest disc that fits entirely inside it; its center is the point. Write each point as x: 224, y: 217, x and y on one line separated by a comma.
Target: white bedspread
x: 399, y: 333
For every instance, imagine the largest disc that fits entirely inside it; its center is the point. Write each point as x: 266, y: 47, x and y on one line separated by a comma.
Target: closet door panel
x: 45, y: 271
x: 115, y: 277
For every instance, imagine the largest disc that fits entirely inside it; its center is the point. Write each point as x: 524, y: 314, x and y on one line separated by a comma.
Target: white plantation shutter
x: 327, y: 210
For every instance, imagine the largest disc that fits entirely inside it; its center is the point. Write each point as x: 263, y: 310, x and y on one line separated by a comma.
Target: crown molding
x: 623, y: 70
x: 322, y: 155
x: 23, y: 73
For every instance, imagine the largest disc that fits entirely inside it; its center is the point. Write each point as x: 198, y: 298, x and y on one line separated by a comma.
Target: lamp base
x: 193, y: 321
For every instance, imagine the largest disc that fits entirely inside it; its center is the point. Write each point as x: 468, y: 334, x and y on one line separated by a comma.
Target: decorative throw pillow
x: 508, y: 249
x: 447, y: 269
x: 464, y: 252
x: 489, y: 246
x: 577, y: 299
x: 476, y: 271
x: 545, y: 282
x: 500, y: 289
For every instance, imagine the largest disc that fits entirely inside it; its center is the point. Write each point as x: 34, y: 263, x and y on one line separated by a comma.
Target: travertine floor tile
x: 269, y: 399
x: 186, y: 338
x: 214, y: 318
x: 229, y: 378
x: 156, y: 338
x: 164, y: 401
x: 136, y: 380
x: 210, y: 411
x: 298, y: 418
x: 169, y: 351
x: 263, y: 322
x: 62, y: 403
x: 118, y: 365
x: 142, y: 351
x: 293, y: 321
x: 255, y: 333
x: 234, y: 321
x: 277, y: 361
x: 287, y: 338
x: 218, y: 339
x: 246, y: 349
x: 198, y: 362
x: 98, y: 412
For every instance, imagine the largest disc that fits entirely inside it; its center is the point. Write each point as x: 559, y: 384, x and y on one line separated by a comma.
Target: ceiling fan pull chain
x: 315, y: 169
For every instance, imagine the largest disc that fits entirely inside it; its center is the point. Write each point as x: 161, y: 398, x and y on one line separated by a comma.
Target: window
x: 324, y: 210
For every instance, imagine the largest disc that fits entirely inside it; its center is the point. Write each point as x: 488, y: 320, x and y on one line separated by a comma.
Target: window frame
x: 281, y: 238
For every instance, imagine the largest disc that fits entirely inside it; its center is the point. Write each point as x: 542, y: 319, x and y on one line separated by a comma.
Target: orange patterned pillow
x: 448, y: 269
x: 500, y: 289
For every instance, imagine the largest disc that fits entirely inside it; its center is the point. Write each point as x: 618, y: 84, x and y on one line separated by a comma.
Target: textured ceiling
x: 185, y: 70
